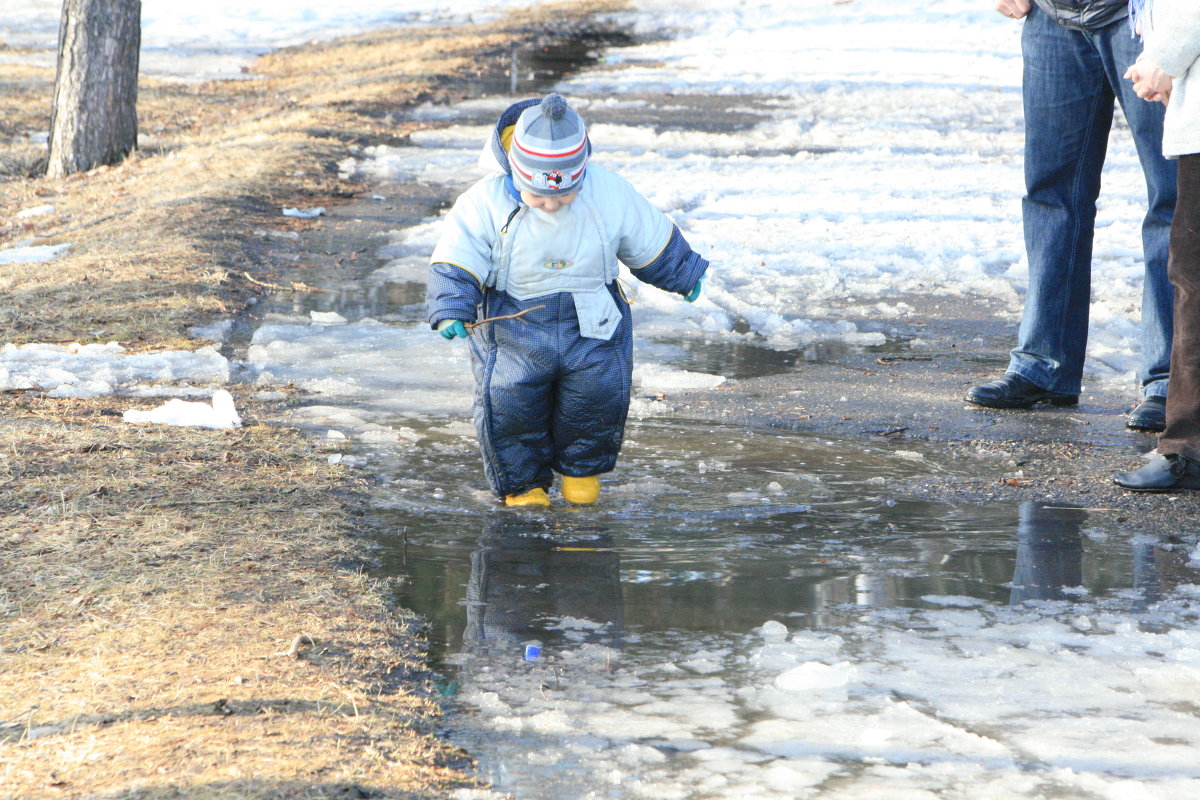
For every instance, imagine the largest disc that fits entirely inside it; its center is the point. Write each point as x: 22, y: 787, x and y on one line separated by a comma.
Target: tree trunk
x: 94, y: 120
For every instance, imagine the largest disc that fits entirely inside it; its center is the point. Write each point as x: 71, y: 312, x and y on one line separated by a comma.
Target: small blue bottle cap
x: 532, y: 651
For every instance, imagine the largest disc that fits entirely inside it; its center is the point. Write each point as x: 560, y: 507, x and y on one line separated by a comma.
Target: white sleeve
x: 468, y: 233
x: 644, y: 232
x: 1173, y: 35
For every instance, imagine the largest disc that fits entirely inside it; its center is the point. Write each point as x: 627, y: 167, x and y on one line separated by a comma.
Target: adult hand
x: 1014, y: 9
x: 449, y: 328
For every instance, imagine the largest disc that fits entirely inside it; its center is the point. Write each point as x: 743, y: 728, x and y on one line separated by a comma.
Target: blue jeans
x: 1071, y: 80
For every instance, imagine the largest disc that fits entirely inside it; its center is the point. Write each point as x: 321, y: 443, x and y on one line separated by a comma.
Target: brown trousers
x: 1182, y: 435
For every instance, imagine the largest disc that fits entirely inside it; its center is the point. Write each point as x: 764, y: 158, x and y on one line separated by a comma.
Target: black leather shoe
x: 1164, y: 473
x: 1150, y: 415
x: 1013, y: 391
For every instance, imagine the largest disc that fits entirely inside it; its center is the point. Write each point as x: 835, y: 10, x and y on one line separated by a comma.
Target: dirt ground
x: 184, y: 613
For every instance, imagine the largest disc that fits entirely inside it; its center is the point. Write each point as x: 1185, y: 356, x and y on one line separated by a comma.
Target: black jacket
x: 1085, y: 15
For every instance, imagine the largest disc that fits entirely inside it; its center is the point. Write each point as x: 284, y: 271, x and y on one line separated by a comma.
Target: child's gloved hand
x: 695, y: 292
x: 449, y: 328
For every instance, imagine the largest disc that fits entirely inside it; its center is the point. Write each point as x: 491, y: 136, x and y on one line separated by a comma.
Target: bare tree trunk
x: 94, y: 120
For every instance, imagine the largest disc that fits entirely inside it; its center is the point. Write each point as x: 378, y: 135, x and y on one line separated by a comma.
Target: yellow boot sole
x: 581, y: 491
x: 534, y: 498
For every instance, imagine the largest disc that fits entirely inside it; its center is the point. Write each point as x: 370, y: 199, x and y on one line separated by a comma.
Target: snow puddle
x: 754, y: 614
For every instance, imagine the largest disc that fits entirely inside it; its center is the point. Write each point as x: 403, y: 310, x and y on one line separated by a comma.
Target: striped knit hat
x: 549, y: 149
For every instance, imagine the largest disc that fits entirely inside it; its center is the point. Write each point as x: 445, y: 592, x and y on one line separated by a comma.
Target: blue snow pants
x: 546, y: 398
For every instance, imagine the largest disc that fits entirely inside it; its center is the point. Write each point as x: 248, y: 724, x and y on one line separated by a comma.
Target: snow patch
x: 218, y: 414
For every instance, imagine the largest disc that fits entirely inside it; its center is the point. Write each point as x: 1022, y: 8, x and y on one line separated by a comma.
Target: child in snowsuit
x: 542, y: 240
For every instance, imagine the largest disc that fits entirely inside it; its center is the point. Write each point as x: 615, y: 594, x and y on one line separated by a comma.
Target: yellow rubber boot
x: 581, y: 491
x: 532, y: 498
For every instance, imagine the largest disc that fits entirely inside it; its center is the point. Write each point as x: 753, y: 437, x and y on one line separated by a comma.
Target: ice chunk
x: 81, y: 390
x: 35, y: 211
x: 221, y: 413
x: 31, y: 255
x: 814, y: 676
x: 703, y: 665
x: 960, y: 601
x: 47, y: 366
x: 657, y: 378
x: 791, y: 775
x: 216, y: 332
x: 327, y: 318
x: 773, y: 631
x: 549, y: 722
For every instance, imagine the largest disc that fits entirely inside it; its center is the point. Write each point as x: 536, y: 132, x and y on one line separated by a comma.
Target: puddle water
x: 762, y: 614
x: 538, y: 67
x: 743, y: 360
x: 387, y: 301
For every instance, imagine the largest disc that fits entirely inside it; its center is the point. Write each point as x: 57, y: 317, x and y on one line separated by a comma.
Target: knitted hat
x: 549, y: 149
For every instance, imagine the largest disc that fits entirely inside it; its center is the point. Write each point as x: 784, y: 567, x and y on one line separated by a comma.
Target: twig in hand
x: 294, y: 651
x: 474, y: 325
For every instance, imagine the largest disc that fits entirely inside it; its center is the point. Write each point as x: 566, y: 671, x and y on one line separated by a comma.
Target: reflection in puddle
x: 741, y: 360
x: 522, y: 577
x: 751, y: 614
x: 1049, y: 553
x: 393, y: 300
x: 540, y: 67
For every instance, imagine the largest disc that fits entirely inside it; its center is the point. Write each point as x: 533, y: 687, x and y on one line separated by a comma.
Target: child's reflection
x: 538, y: 580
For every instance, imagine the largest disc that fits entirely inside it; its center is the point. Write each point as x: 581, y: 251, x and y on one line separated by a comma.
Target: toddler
x: 537, y: 246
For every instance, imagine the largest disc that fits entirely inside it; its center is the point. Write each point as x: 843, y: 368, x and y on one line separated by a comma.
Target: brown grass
x: 153, y: 580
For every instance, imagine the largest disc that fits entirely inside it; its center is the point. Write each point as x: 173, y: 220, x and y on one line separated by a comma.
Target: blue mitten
x: 695, y: 292
x: 449, y: 328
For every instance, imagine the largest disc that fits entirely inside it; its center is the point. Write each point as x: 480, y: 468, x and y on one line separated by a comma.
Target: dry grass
x: 154, y: 579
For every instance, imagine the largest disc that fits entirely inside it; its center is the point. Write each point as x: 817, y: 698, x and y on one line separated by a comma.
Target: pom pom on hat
x: 554, y: 106
x: 550, y: 148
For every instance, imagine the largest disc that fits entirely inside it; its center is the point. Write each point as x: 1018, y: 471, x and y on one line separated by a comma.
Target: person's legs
x: 515, y: 365
x: 592, y: 402
x: 1068, y: 114
x: 1176, y: 466
x: 1118, y: 50
x: 1182, y: 434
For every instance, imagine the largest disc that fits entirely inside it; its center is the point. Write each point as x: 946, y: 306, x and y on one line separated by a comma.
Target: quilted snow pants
x: 547, y: 399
